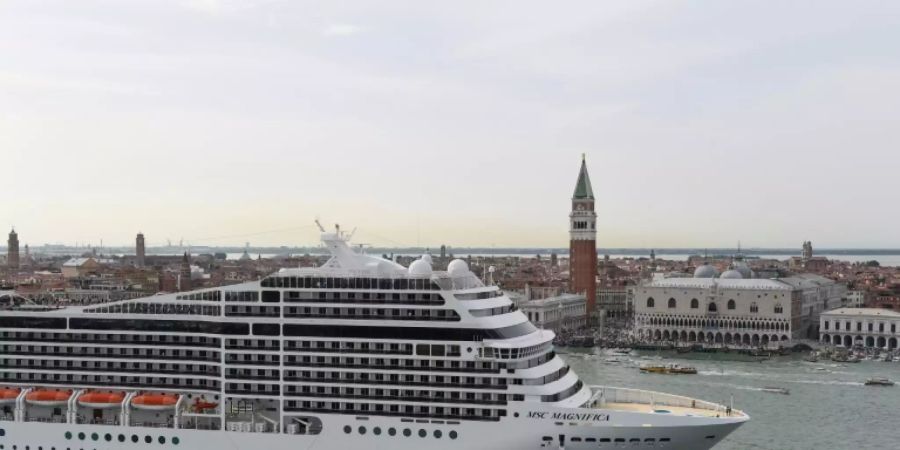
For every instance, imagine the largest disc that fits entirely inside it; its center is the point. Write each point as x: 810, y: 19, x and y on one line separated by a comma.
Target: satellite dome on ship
x: 457, y: 268
x: 420, y: 268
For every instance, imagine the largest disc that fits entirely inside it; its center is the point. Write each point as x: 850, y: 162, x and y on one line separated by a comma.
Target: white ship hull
x: 518, y: 434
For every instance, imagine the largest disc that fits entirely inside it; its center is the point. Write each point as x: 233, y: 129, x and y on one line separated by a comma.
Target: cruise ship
x: 360, y: 353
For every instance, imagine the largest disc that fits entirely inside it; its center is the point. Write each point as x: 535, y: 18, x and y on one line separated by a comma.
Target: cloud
x: 342, y: 29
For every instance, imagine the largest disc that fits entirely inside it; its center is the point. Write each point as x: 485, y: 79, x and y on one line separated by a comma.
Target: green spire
x: 583, y: 186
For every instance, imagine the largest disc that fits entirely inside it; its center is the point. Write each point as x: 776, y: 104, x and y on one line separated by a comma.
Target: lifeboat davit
x: 43, y: 397
x: 101, y: 400
x: 9, y: 395
x: 155, y: 402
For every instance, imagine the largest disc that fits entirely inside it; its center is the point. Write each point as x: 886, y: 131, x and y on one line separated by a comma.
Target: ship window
x: 453, y: 434
x: 407, y: 432
x: 392, y: 431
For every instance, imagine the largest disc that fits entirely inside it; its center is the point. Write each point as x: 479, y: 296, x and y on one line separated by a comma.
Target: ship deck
x: 649, y: 402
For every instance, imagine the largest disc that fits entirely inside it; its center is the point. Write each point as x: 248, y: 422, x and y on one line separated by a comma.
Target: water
x: 826, y: 409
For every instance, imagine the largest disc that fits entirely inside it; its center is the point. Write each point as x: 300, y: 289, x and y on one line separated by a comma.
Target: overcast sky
x: 224, y: 121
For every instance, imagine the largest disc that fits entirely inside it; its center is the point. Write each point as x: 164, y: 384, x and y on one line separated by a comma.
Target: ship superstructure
x: 359, y: 352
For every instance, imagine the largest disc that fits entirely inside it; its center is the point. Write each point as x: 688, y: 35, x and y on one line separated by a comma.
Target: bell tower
x: 583, y: 240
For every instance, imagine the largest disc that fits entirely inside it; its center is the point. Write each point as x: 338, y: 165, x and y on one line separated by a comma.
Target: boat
x: 101, y: 400
x: 155, y: 402
x: 46, y: 397
x: 879, y: 382
x: 359, y: 355
x: 9, y: 395
x: 621, y: 351
x: 201, y: 405
x: 671, y: 369
x: 776, y: 390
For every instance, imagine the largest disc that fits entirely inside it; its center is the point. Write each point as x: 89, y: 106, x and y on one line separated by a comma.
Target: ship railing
x: 8, y: 417
x: 46, y: 419
x: 603, y: 395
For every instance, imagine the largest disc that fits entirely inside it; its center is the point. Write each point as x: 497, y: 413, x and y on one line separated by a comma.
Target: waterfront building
x: 613, y: 304
x: 140, y: 250
x: 860, y: 327
x: 12, y: 250
x: 733, y: 311
x: 558, y: 313
x: 583, y: 240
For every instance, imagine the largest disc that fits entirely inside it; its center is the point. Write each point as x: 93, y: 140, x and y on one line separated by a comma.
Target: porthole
x: 121, y: 438
x: 362, y: 430
x: 515, y: 414
x: 407, y: 432
x: 81, y: 436
x: 162, y: 439
x: 68, y: 435
x: 392, y: 431
x: 453, y: 434
x: 2, y: 432
x: 422, y: 433
x: 148, y: 439
x: 94, y: 437
x: 347, y: 429
x: 175, y: 439
x: 135, y: 438
x: 108, y: 437
x: 437, y: 434
x: 377, y: 431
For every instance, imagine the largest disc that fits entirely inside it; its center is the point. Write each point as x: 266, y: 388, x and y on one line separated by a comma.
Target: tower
x: 140, y: 251
x: 12, y: 255
x: 184, y: 276
x: 807, y: 252
x: 583, y: 240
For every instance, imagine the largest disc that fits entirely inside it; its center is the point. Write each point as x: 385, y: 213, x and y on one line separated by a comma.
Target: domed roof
x: 420, y: 268
x: 427, y: 258
x: 743, y: 268
x: 457, y: 268
x: 706, y: 271
x: 732, y: 274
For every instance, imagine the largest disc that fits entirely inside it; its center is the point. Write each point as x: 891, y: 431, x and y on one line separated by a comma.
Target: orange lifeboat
x: 201, y: 405
x: 155, y: 402
x: 101, y: 400
x: 44, y: 397
x: 9, y: 395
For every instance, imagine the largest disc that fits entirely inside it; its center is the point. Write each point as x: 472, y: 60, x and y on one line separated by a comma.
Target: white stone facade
x: 860, y: 327
x: 732, y: 312
x: 564, y: 312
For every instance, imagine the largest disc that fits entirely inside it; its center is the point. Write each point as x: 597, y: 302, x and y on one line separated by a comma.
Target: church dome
x: 706, y: 271
x: 457, y: 268
x: 732, y: 274
x: 743, y: 268
x: 420, y: 268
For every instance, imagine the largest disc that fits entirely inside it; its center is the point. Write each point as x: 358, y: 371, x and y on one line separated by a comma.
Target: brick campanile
x: 583, y: 240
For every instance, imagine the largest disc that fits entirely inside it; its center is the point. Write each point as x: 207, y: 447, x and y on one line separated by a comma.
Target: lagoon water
x: 828, y: 408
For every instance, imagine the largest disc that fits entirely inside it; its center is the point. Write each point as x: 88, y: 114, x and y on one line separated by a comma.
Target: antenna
x: 350, y: 236
x: 319, y: 224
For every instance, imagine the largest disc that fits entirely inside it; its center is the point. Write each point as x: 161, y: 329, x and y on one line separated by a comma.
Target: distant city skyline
x: 224, y: 121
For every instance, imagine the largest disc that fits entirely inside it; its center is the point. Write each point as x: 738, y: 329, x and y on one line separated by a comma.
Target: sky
x: 421, y: 123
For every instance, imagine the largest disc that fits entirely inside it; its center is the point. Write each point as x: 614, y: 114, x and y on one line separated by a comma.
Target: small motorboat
x: 101, y: 400
x: 621, y: 351
x: 155, y: 402
x: 46, y: 397
x: 9, y: 395
x: 879, y: 382
x: 776, y: 390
